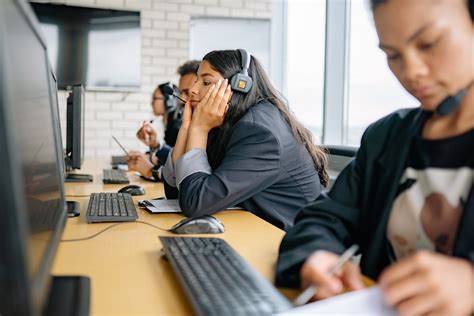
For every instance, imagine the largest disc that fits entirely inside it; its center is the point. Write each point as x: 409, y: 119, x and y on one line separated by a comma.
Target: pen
x: 307, y: 294
x: 124, y: 150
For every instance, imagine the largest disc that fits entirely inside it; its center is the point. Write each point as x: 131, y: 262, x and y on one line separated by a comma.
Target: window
x: 103, y: 45
x: 252, y: 35
x: 373, y: 91
x: 306, y: 21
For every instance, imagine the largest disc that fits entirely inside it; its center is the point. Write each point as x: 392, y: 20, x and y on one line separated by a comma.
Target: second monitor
x: 75, y: 134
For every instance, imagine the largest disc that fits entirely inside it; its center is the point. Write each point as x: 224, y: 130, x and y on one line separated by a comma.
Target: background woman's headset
x: 170, y: 101
x: 241, y: 81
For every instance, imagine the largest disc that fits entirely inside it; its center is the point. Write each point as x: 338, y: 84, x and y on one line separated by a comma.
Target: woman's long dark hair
x: 227, y: 63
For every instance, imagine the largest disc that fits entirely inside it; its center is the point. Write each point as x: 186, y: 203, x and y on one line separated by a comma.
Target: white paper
x: 162, y: 206
x: 364, y: 302
x: 167, y: 206
x: 123, y: 167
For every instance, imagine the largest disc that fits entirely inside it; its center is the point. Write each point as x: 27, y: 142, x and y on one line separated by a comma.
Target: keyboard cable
x: 110, y: 227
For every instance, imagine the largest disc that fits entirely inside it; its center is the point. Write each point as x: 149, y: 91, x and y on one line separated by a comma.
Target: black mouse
x: 132, y: 189
x: 205, y: 224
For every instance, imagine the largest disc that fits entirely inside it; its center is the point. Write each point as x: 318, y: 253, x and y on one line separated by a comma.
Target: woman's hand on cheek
x: 187, y: 115
x: 427, y: 283
x: 210, y: 112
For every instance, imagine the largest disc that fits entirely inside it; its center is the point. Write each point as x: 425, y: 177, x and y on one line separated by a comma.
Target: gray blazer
x: 264, y: 170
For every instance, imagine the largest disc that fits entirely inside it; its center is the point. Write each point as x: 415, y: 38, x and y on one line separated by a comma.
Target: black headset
x: 452, y: 102
x: 241, y: 81
x: 170, y: 102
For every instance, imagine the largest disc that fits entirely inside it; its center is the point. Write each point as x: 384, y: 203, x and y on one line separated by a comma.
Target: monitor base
x: 69, y: 295
x: 76, y: 177
x: 73, y: 208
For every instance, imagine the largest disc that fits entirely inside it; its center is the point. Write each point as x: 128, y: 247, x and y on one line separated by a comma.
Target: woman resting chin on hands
x: 242, y: 146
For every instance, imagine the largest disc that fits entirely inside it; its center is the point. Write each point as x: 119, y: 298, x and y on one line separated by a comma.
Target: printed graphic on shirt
x: 426, y: 212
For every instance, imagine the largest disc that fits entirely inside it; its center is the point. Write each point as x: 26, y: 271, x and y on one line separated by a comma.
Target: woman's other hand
x: 187, y: 115
x: 427, y: 283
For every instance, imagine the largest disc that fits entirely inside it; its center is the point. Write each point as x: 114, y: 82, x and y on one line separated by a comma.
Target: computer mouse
x: 132, y: 189
x: 205, y: 224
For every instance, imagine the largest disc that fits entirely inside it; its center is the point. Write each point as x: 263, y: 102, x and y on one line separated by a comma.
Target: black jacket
x: 357, y: 208
x: 264, y: 170
x: 172, y: 126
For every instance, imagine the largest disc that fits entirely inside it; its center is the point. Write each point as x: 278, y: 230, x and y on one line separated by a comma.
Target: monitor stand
x: 76, y: 177
x: 73, y: 208
x: 69, y: 295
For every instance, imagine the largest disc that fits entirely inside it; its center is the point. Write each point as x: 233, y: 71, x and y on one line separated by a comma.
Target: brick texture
x: 165, y: 45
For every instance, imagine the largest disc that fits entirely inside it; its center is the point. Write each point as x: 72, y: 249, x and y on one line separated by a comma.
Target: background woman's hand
x: 315, y: 271
x: 210, y: 111
x: 140, y: 163
x: 427, y: 283
x: 147, y: 135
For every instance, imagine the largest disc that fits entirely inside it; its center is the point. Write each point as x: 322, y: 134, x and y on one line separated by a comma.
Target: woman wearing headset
x: 240, y: 145
x: 407, y: 199
x: 148, y: 164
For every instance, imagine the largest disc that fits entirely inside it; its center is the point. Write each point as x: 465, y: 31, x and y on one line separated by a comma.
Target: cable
x: 112, y: 226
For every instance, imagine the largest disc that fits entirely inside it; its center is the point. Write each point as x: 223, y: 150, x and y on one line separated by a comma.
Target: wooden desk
x: 128, y: 274
x: 95, y: 167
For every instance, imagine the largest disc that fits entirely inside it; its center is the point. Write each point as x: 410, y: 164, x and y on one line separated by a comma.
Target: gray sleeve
x: 251, y: 164
x: 168, y: 170
x: 192, y: 162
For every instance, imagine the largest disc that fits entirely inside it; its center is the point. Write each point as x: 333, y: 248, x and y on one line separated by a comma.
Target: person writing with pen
x: 407, y: 199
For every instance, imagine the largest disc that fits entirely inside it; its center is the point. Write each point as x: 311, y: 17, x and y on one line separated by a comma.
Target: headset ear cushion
x: 241, y: 83
x: 170, y: 103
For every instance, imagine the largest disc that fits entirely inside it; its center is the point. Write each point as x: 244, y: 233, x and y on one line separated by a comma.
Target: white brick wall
x: 165, y: 45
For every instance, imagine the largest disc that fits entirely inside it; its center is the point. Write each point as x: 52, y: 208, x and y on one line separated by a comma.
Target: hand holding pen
x: 147, y: 135
x: 327, y: 274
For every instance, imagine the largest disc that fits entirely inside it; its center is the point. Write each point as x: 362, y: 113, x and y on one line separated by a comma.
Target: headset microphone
x: 451, y: 103
x: 170, y: 91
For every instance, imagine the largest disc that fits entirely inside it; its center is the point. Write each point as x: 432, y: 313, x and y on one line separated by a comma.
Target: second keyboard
x: 113, y: 176
x: 111, y: 207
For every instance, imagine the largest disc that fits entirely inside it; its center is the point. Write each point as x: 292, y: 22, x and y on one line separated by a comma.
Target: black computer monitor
x: 75, y: 118
x: 75, y: 127
x: 32, y: 202
x: 73, y: 207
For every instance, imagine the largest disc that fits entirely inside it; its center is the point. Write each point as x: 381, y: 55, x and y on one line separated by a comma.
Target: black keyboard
x: 111, y: 207
x: 119, y: 160
x: 218, y: 281
x: 113, y: 176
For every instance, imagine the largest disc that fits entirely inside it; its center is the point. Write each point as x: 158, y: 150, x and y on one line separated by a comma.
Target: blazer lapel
x: 391, y: 165
x: 464, y: 245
